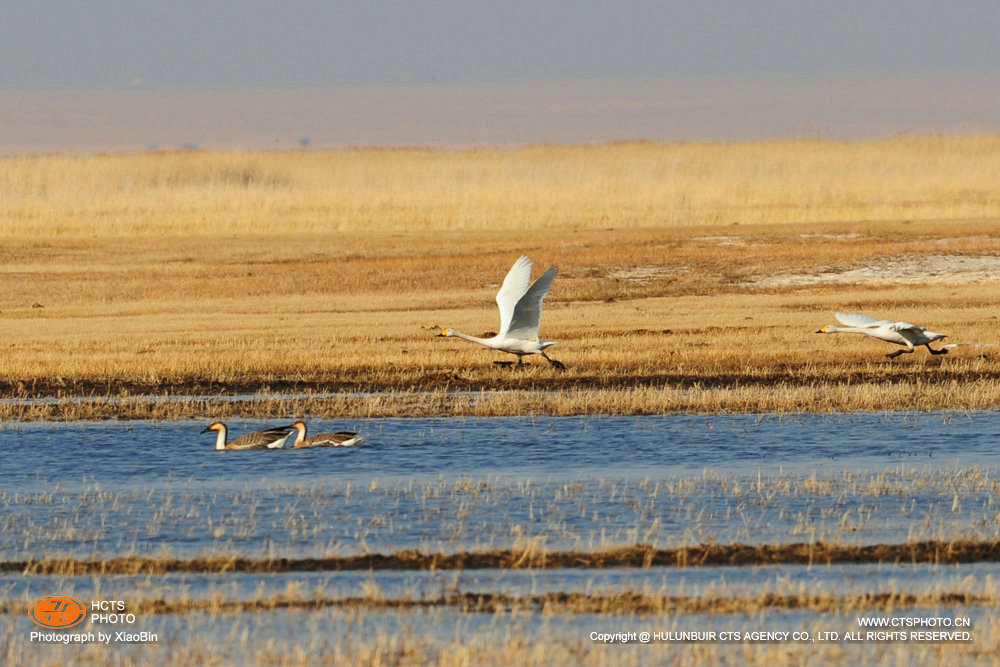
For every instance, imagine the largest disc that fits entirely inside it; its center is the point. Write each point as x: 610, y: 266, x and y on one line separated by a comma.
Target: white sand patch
x: 641, y: 274
x: 722, y: 240
x: 832, y: 237
x: 743, y: 240
x: 902, y: 270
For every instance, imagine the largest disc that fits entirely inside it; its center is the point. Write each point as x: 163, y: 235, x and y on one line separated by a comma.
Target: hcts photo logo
x: 57, y: 612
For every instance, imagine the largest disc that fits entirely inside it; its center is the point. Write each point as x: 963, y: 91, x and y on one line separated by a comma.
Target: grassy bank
x: 692, y: 278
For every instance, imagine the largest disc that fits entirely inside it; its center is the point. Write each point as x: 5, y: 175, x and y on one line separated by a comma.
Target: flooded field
x: 477, y: 538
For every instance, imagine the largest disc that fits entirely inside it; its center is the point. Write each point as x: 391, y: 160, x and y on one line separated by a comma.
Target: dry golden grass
x: 201, y: 273
x: 540, y: 187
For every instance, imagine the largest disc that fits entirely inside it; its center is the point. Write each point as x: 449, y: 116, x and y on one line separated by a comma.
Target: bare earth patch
x: 903, y: 270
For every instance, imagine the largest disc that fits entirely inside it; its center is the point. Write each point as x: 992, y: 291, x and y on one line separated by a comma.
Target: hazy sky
x: 146, y: 45
x: 207, y: 42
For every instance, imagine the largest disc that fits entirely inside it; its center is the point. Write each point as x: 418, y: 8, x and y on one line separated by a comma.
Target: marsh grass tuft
x: 534, y: 557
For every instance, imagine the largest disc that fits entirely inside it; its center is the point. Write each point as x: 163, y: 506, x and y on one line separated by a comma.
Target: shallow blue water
x: 99, y: 490
x: 134, y: 454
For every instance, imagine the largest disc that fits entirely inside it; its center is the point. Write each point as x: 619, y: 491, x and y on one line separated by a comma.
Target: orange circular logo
x: 57, y: 612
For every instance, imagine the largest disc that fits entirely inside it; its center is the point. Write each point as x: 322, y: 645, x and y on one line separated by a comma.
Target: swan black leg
x: 933, y: 351
x: 895, y: 354
x: 511, y: 363
x: 557, y: 364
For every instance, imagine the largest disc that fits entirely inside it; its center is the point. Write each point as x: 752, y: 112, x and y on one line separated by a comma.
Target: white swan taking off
x: 338, y: 439
x: 271, y: 438
x: 900, y: 333
x: 520, y: 313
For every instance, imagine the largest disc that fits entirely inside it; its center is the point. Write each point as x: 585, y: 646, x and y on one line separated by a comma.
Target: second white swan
x: 900, y: 333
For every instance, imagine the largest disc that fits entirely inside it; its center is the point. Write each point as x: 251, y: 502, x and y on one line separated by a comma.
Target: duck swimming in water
x: 338, y: 439
x: 271, y: 438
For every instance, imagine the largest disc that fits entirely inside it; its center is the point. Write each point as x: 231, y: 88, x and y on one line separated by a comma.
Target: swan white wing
x: 905, y: 326
x: 857, y: 320
x: 528, y: 311
x: 514, y: 287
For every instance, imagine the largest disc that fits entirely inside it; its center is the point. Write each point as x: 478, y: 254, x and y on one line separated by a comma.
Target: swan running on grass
x: 520, y: 313
x: 270, y: 438
x: 900, y: 333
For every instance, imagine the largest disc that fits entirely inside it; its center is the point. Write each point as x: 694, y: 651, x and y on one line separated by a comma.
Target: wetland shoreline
x: 891, y: 389
x: 642, y: 556
x: 540, y: 379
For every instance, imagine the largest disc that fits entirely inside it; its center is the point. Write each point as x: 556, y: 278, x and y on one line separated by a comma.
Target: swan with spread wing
x: 520, y: 314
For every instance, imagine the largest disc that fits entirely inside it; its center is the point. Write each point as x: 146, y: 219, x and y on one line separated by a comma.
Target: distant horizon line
x: 510, y: 113
x: 458, y: 148
x: 831, y: 75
